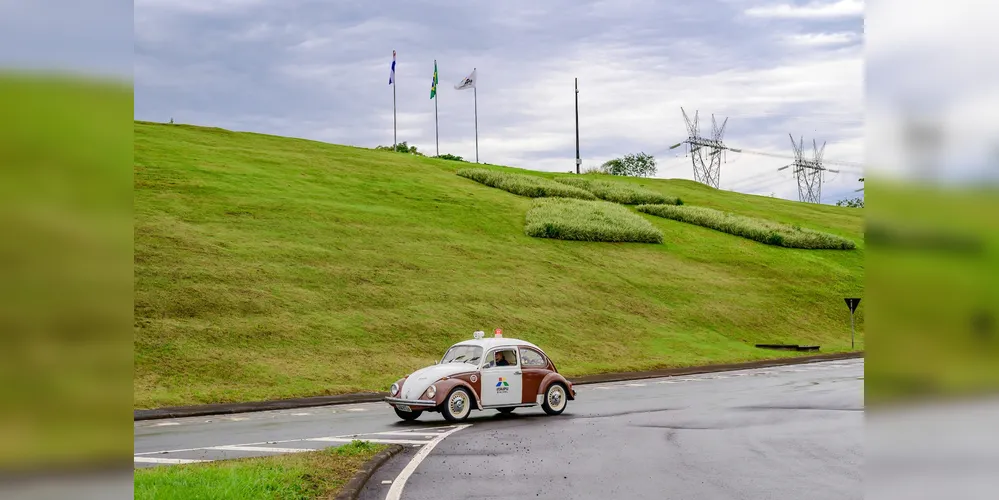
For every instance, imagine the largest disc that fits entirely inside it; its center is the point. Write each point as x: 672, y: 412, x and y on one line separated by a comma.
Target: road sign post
x: 852, y: 304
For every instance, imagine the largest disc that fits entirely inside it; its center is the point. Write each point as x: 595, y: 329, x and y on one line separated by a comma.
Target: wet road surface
x: 778, y: 432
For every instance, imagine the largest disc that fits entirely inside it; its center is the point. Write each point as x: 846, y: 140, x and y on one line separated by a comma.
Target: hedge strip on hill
x: 764, y: 231
x: 525, y: 185
x: 568, y: 219
x: 620, y: 192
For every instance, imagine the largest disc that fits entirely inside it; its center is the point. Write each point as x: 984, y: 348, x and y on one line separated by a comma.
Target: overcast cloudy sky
x: 319, y: 70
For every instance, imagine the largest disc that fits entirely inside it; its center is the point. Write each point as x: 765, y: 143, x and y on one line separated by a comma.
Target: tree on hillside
x: 402, y: 147
x: 851, y: 202
x: 633, y: 165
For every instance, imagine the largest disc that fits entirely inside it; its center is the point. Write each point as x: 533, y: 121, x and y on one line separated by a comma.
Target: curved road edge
x: 369, y: 397
x: 353, y: 487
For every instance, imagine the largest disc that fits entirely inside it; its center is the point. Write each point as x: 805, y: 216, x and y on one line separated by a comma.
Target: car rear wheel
x: 457, y: 405
x: 408, y: 415
x: 555, y: 399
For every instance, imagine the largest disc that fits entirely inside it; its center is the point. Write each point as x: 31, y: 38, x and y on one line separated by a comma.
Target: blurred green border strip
x: 65, y: 271
x: 933, y: 291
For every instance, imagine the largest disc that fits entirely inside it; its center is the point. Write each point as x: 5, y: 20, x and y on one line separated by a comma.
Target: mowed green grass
x: 268, y: 267
x: 620, y: 192
x: 299, y: 476
x: 761, y: 230
x: 568, y: 219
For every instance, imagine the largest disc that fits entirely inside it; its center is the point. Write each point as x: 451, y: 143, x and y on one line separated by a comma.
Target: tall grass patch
x: 764, y: 231
x: 619, y: 192
x: 568, y: 219
x: 525, y: 185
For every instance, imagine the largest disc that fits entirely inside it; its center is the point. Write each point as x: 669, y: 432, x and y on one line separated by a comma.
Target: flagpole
x: 437, y: 132
x: 395, y: 137
x: 577, y: 126
x: 475, y: 99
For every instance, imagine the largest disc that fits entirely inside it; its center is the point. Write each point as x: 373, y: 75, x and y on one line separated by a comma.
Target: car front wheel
x: 457, y: 405
x: 555, y: 399
x: 408, y: 415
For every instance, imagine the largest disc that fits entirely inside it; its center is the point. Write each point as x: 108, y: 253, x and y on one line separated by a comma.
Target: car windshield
x: 463, y: 354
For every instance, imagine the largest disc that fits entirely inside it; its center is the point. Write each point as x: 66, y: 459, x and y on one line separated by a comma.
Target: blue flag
x: 392, y: 74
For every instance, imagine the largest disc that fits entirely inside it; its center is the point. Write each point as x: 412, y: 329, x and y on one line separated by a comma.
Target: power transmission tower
x: 808, y: 172
x: 706, y: 172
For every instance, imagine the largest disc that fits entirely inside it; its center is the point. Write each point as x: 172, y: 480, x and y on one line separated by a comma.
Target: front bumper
x: 411, y: 402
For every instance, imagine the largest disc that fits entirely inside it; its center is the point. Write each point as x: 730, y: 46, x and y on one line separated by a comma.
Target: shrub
x: 567, y: 219
x: 524, y: 185
x: 449, y: 156
x: 764, y: 231
x: 620, y: 192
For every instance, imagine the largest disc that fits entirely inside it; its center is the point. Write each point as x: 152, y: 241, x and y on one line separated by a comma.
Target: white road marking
x: 238, y: 419
x: 164, y: 424
x: 379, y: 441
x: 395, y: 492
x: 265, y: 449
x: 635, y: 385
x: 666, y: 382
x: 300, y: 414
x: 154, y: 460
x: 387, y: 481
x: 603, y: 387
x: 427, y: 432
x: 399, y: 433
x: 357, y: 409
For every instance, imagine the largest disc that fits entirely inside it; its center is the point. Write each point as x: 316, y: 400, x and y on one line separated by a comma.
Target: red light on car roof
x: 498, y: 332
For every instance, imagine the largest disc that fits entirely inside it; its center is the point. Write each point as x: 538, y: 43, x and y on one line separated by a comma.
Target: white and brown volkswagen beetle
x: 484, y: 374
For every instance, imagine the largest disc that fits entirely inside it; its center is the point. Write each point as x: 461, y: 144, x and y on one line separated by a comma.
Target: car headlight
x: 432, y: 391
x: 394, y: 389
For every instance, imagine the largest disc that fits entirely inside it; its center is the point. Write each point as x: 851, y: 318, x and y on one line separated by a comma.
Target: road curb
x: 353, y: 487
x: 694, y: 370
x: 368, y: 397
x: 279, y: 404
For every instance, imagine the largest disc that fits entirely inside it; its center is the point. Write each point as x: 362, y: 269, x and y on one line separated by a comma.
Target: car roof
x: 491, y: 342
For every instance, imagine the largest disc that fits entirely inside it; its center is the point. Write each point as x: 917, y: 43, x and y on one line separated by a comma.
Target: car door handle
x: 518, y: 372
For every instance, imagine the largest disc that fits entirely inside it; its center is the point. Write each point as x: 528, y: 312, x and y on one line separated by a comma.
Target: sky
x: 320, y: 69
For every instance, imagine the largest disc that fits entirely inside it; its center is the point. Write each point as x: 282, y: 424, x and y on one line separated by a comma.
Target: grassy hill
x: 269, y: 267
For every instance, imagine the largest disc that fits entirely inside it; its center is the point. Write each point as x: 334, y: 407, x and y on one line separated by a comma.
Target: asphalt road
x: 780, y: 432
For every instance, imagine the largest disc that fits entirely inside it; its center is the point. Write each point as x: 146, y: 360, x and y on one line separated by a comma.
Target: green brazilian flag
x: 433, y: 86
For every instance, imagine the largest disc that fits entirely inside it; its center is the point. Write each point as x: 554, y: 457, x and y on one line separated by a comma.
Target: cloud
x: 822, y: 39
x: 302, y: 69
x: 927, y: 67
x: 814, y: 10
x: 196, y: 6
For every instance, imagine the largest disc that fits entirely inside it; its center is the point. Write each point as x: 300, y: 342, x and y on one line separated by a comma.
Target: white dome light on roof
x: 479, y: 334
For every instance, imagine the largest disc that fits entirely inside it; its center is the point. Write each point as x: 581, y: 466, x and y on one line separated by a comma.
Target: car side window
x: 502, y: 357
x: 532, y: 358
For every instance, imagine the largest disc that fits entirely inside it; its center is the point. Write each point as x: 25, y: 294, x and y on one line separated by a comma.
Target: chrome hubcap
x: 457, y: 403
x: 555, y: 397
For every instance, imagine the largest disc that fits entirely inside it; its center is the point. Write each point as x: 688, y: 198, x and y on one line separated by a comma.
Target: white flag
x: 467, y: 83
